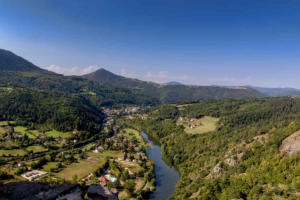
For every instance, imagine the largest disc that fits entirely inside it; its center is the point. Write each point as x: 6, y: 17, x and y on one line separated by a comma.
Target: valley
x: 76, y: 136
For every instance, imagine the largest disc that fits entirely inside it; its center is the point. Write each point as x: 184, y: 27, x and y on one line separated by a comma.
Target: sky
x: 199, y: 42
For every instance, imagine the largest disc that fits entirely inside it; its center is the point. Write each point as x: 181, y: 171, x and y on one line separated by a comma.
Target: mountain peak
x: 104, y: 76
x: 174, y: 83
x: 11, y: 62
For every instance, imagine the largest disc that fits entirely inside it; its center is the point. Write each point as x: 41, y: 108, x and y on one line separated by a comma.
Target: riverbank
x: 166, y: 176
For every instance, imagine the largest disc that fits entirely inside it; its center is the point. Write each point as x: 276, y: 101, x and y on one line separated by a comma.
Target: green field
x: 49, y: 166
x: 88, y: 147
x: 84, y: 167
x: 58, y: 134
x: 13, y: 152
x: 30, y: 133
x: 20, y: 129
x: 36, y: 149
x: 203, y: 125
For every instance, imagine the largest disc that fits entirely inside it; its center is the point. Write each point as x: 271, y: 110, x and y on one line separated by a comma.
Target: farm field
x: 199, y: 126
x: 36, y: 149
x: 49, y: 166
x: 58, y: 134
x: 13, y: 152
x: 88, y: 147
x: 30, y: 133
x: 84, y: 167
x: 20, y: 129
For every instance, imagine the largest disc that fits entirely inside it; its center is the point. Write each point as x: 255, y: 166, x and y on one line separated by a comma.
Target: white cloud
x: 125, y: 73
x: 73, y: 70
x: 160, y: 76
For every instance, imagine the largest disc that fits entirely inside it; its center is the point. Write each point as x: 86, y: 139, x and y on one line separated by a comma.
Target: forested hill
x: 11, y: 62
x: 229, y: 149
x: 167, y: 93
x: 39, y: 98
x: 17, y: 72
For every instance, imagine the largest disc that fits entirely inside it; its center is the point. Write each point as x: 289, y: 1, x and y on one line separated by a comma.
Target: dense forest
x: 44, y: 109
x: 241, y: 159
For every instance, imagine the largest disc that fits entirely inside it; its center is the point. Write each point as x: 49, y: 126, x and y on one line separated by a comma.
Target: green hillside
x: 243, y: 158
x: 50, y: 109
x: 167, y: 93
x: 16, y: 72
x: 35, y: 97
x: 10, y: 61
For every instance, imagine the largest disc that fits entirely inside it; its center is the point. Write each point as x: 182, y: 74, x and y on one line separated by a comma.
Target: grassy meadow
x: 203, y: 125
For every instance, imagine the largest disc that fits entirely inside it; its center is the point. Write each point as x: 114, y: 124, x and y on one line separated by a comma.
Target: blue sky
x: 224, y: 42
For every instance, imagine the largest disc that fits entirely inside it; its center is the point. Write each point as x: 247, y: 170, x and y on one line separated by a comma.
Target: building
x: 103, y: 180
x: 33, y: 175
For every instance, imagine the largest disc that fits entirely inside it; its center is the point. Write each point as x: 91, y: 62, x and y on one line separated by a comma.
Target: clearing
x: 199, y: 126
x: 86, y: 166
x: 58, y: 134
x: 36, y: 149
x: 49, y: 166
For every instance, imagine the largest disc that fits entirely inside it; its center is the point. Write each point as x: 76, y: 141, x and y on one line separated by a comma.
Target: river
x: 166, y: 177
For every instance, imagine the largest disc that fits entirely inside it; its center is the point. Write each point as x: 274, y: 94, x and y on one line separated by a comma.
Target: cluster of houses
x: 120, y: 142
x: 104, y: 179
x: 191, y: 125
x: 33, y: 175
x: 127, y: 110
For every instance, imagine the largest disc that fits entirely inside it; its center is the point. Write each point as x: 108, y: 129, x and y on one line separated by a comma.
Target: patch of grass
x: 36, y: 149
x: 2, y: 130
x: 49, y: 166
x: 20, y: 129
x: 34, y: 132
x: 112, y: 154
x: 3, y: 123
x: 6, y: 123
x: 58, y: 134
x: 10, y: 144
x: 88, y: 147
x: 132, y: 166
x: 86, y: 166
x: 203, y: 125
x: 13, y: 152
x: 30, y: 133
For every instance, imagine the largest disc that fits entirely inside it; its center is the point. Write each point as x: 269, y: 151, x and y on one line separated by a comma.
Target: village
x: 115, y: 166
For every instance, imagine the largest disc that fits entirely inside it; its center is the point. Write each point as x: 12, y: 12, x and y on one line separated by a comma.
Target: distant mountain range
x: 270, y: 92
x: 171, y: 92
x: 275, y: 92
x: 110, y: 89
x: 16, y: 72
